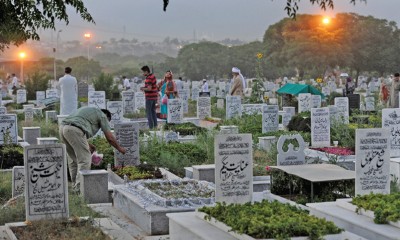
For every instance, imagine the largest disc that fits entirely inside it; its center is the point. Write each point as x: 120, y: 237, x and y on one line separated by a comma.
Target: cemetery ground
x: 166, y: 161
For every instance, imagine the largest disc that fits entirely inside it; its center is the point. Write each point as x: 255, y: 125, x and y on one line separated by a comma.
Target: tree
x: 104, y: 83
x: 20, y: 20
x: 37, y: 81
x: 82, y: 68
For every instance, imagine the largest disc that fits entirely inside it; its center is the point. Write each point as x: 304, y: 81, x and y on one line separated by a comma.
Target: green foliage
x: 385, y: 206
x: 11, y: 155
x: 103, y: 147
x: 5, y: 187
x: 300, y: 123
x: 134, y: 173
x: 270, y: 220
x: 47, y: 129
x: 38, y: 81
x: 20, y: 20
x: 104, y: 83
x: 184, y: 128
x: 84, y: 69
x: 344, y: 134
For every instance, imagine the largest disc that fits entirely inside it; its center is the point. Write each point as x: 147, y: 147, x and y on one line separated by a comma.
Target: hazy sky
x: 213, y: 19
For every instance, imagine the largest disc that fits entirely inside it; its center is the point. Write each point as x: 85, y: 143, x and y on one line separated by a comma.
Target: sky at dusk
x: 211, y: 19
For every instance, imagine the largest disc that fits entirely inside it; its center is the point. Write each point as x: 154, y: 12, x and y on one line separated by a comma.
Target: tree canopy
x: 20, y: 20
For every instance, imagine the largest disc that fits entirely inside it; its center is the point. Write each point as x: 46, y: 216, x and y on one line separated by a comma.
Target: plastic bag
x: 97, y: 158
x: 164, y: 100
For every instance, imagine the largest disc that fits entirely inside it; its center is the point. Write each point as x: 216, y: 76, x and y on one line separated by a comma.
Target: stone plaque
x: 391, y: 122
x: 270, y: 118
x: 203, y: 107
x: 320, y: 127
x: 195, y: 93
x: 326, y: 91
x: 97, y: 99
x: 40, y: 96
x: 21, y: 96
x: 18, y: 180
x: 316, y: 101
x: 184, y: 96
x: 51, y: 93
x: 3, y: 110
x: 333, y: 113
x: 127, y: 135
x: 8, y: 129
x: 175, y: 111
x: 252, y: 109
x: 342, y: 104
x: 220, y: 103
x: 292, y: 156
x: 354, y: 101
x: 171, y: 137
x: 304, y: 101
x: 116, y: 109
x: 51, y: 116
x: 233, y: 107
x: 28, y: 114
x: 233, y: 168
x: 372, y: 161
x: 369, y: 104
x: 128, y: 101
x: 140, y: 101
x: 46, y: 186
x: 83, y: 89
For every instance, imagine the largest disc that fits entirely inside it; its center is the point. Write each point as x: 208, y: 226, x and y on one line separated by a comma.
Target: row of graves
x: 194, y: 209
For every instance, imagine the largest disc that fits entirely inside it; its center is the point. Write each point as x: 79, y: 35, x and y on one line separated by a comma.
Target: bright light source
x: 326, y: 20
x: 99, y: 47
x: 22, y: 55
x: 87, y: 35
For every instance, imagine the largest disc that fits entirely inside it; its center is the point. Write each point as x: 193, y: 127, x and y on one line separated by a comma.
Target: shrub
x: 104, y: 83
x: 38, y: 81
x: 11, y: 155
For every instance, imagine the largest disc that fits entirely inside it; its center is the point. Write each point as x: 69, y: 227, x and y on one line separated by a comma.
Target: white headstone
x: 175, y: 111
x: 127, y: 135
x: 372, y: 161
x: 326, y: 91
x: 140, y: 101
x: 369, y: 104
x: 203, y: 107
x: 391, y: 122
x: 342, y: 104
x: 21, y: 96
x: 270, y: 118
x: 291, y: 156
x: 28, y: 114
x: 128, y: 101
x: 18, y: 180
x: 320, y: 127
x: 51, y: 93
x: 251, y: 109
x: 233, y: 107
x: 184, y: 96
x: 170, y: 136
x: 3, y: 110
x: 333, y: 113
x: 8, y: 129
x: 220, y: 103
x: 40, y: 96
x: 30, y: 134
x: 51, y: 116
x: 195, y: 93
x: 304, y: 101
x: 97, y: 99
x: 316, y: 101
x: 116, y: 110
x: 233, y: 168
x: 46, y: 185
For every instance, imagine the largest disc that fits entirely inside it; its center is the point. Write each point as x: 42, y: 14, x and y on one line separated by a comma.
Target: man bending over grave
x: 74, y: 132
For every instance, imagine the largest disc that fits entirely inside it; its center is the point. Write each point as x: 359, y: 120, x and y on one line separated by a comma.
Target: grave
x: 30, y: 134
x: 46, y: 188
x: 342, y: 104
x: 128, y: 101
x: 40, y: 96
x: 3, y: 110
x: 140, y: 102
x: 18, y: 180
x: 37, y: 112
x: 266, y: 143
x: 369, y: 104
x: 291, y: 156
x: 83, y: 89
x: 333, y: 113
x: 391, y: 122
x: 372, y: 161
x: 51, y: 116
x: 316, y: 101
x: 46, y: 140
x: 175, y: 111
x: 116, y: 110
x: 8, y: 129
x: 204, y: 172
x: 97, y: 99
x: 270, y: 118
x: 251, y: 109
x: 170, y: 136
x: 94, y: 186
x: 28, y: 114
x: 233, y: 168
x: 220, y: 103
x: 51, y: 93
x: 184, y: 96
x: 21, y: 96
x: 203, y: 107
x: 304, y: 102
x: 127, y: 135
x: 320, y: 127
x: 354, y: 101
x: 233, y: 107
x: 195, y: 93
x: 229, y: 129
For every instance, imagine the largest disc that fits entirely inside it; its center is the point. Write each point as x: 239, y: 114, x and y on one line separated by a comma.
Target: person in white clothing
x: 204, y: 87
x: 14, y: 84
x: 126, y: 83
x: 68, y: 92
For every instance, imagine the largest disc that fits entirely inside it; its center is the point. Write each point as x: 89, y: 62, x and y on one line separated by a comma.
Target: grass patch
x: 47, y: 129
x: 5, y: 187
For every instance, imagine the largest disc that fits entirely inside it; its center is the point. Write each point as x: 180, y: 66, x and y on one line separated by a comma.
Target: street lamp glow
x: 22, y: 55
x: 87, y: 35
x: 326, y: 20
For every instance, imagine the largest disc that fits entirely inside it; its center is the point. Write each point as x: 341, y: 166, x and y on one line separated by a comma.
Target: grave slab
x: 94, y: 186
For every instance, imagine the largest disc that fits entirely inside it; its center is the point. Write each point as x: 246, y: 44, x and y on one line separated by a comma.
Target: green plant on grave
x: 344, y: 134
x: 141, y: 113
x: 47, y: 129
x: 11, y: 155
x: 300, y: 123
x: 184, y: 128
x: 38, y: 81
x: 5, y: 187
x: 103, y: 147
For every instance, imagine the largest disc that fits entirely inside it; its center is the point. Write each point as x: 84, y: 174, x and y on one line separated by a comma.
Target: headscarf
x: 237, y: 70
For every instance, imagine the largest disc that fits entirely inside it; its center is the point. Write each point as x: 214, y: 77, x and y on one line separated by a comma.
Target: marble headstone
x: 195, y: 93
x: 369, y: 104
x: 18, y: 180
x: 40, y: 96
x: 140, y: 101
x: 51, y: 116
x: 316, y: 101
x: 8, y: 129
x: 270, y: 118
x: 3, y: 110
x: 320, y: 127
x: 46, y: 185
x: 28, y: 114
x: 342, y: 104
x: 203, y: 107
x: 21, y: 96
x: 304, y: 101
x: 116, y: 110
x: 51, y: 93
x: 233, y: 107
x: 252, y: 109
x: 184, y: 96
x: 97, y: 99
x: 291, y: 156
x: 391, y: 122
x: 30, y: 134
x: 127, y: 135
x: 83, y: 89
x: 128, y: 101
x: 372, y: 161
x: 233, y: 168
x: 220, y: 103
x: 171, y: 136
x: 175, y: 111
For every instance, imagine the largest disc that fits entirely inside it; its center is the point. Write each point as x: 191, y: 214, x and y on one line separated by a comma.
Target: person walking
x: 394, y: 91
x: 151, y: 94
x: 237, y: 83
x: 126, y: 83
x: 76, y: 129
x: 15, y: 84
x: 68, y: 91
x: 204, y: 87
